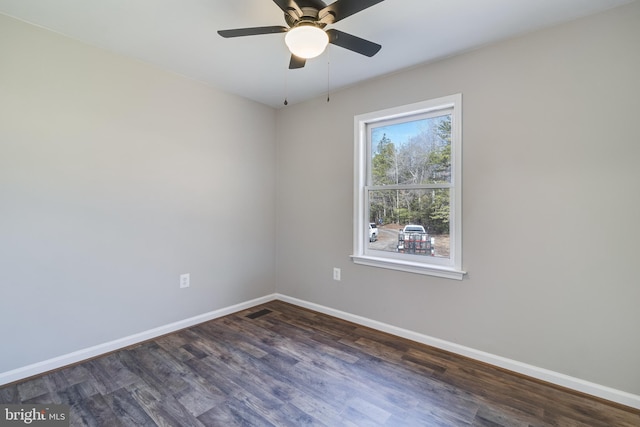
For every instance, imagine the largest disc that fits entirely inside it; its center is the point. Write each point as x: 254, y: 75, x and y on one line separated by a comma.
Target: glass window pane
x: 411, y: 152
x: 410, y: 221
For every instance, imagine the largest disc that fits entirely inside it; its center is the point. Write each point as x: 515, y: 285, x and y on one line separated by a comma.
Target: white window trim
x: 361, y: 253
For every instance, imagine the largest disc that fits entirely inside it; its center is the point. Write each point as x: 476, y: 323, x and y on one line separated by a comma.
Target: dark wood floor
x: 282, y: 365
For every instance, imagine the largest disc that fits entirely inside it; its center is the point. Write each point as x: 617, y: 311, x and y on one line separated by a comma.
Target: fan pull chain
x: 286, y: 87
x: 328, y: 75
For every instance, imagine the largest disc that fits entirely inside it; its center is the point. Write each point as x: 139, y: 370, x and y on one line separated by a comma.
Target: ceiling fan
x: 306, y: 36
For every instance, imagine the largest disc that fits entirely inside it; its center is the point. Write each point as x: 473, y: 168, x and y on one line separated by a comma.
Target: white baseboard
x: 546, y: 375
x: 552, y: 377
x: 100, y: 349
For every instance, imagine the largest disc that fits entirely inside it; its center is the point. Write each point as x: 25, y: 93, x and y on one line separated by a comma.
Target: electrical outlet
x: 185, y: 280
x: 336, y: 274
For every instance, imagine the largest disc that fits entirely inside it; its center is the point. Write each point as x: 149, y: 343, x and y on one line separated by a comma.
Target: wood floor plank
x: 32, y: 388
x: 162, y: 408
x: 9, y: 395
x: 127, y: 409
x: 93, y: 411
x: 109, y: 372
x: 277, y: 364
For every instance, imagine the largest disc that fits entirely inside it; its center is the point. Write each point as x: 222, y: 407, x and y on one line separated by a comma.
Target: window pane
x: 410, y: 221
x: 411, y: 152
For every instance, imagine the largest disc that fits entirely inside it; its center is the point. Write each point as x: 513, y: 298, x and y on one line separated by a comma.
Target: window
x: 407, y: 182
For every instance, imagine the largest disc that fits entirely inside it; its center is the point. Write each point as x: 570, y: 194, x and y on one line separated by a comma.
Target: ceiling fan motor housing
x: 310, y: 14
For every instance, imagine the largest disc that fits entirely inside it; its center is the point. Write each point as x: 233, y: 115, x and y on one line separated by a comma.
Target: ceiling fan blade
x: 296, y: 62
x: 289, y: 6
x: 254, y: 31
x: 353, y: 43
x: 341, y: 9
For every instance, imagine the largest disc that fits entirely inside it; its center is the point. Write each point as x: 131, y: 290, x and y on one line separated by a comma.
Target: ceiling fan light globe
x: 306, y: 41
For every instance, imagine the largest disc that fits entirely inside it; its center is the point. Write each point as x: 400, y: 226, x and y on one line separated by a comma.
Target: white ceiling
x: 180, y: 35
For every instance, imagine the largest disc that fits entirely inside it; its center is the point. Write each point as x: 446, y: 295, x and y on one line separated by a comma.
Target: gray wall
x: 116, y: 177
x: 551, y: 206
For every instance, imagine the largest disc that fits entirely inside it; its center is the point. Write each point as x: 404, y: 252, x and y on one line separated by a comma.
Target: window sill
x: 409, y: 267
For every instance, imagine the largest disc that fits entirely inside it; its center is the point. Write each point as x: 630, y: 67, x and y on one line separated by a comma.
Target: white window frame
x: 434, y: 266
